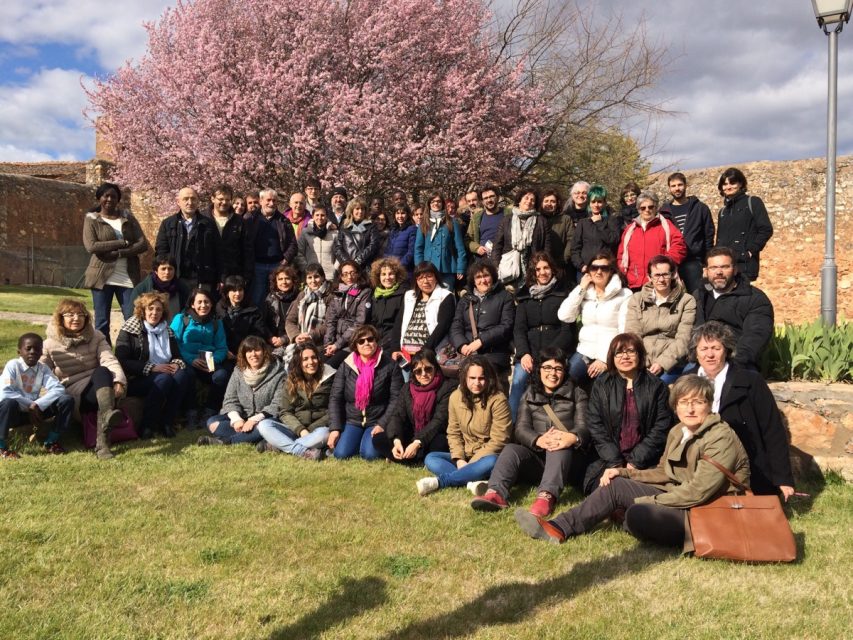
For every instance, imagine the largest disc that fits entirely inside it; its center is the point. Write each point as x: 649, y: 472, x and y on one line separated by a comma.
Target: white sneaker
x: 478, y: 487
x: 427, y: 485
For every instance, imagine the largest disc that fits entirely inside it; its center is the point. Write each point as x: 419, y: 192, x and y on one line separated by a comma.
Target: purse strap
x: 473, y: 320
x: 740, y: 485
x: 554, y: 419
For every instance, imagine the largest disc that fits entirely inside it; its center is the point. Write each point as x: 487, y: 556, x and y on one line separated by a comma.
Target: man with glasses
x: 728, y: 297
x: 485, y: 223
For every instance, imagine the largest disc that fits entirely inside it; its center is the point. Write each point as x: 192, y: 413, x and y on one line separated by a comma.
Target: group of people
x: 449, y: 337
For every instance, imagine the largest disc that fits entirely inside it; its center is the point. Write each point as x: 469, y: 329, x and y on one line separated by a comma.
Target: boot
x: 108, y: 416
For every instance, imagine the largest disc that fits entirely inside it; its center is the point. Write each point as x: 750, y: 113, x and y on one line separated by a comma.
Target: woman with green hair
x: 599, y: 231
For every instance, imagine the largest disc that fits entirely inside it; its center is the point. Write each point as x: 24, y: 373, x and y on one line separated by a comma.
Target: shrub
x: 813, y: 351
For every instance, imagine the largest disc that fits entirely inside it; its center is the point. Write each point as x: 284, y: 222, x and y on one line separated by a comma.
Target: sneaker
x: 312, y: 454
x: 8, y: 454
x: 427, y: 485
x: 478, y: 487
x: 264, y: 446
x: 538, y: 528
x: 55, y: 448
x: 489, y: 501
x: 544, y: 504
x: 205, y: 440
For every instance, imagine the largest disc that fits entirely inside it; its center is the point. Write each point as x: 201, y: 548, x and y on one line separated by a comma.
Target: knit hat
x: 340, y: 191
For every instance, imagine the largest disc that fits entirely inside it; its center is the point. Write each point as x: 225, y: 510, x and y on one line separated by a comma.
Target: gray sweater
x: 243, y: 400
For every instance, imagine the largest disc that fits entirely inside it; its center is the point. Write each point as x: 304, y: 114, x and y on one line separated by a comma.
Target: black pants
x: 551, y: 470
x: 11, y: 415
x: 384, y: 444
x: 101, y: 377
x: 650, y: 522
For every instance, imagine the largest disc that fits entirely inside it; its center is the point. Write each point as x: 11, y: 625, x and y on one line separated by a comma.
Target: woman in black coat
x: 629, y: 415
x: 358, y: 238
x: 240, y: 319
x: 388, y: 277
x: 536, y: 321
x: 599, y: 231
x: 742, y: 224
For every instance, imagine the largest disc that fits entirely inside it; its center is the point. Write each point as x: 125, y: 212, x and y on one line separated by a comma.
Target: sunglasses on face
x: 423, y: 371
x: 366, y: 340
x: 599, y: 267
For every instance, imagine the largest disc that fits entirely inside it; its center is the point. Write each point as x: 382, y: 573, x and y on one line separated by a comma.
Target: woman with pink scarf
x: 363, y: 396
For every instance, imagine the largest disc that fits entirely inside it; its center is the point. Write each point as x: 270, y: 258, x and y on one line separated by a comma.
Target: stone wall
x: 794, y: 193
x: 64, y: 171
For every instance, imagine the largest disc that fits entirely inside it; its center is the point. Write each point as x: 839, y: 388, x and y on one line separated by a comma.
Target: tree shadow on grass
x: 513, y: 602
x: 351, y: 598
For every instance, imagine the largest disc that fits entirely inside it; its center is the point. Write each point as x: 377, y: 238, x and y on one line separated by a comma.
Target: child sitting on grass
x: 29, y: 388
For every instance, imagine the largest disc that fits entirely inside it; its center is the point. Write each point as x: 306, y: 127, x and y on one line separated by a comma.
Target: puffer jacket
x: 99, y: 239
x: 601, y: 319
x: 300, y: 413
x: 401, y: 422
x: 194, y: 337
x: 384, y: 314
x: 72, y: 360
x: 537, y: 324
x: 744, y: 226
x: 495, y: 316
x: 481, y: 432
x: 343, y: 314
x: 401, y: 245
x: 133, y: 352
x: 638, y: 246
x: 569, y: 403
x: 387, y: 380
x: 362, y: 247
x: 446, y: 253
x: 665, y: 328
x: 242, y: 402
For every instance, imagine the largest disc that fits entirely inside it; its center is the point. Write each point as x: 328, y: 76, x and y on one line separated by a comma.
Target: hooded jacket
x: 665, y: 328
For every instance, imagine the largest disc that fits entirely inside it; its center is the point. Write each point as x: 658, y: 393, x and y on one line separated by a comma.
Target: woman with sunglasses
x: 364, y: 391
x: 628, y: 416
x: 601, y: 302
x: 418, y: 424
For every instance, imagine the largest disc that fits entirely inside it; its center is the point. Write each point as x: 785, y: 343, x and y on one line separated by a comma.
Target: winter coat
x: 384, y: 314
x: 439, y: 312
x: 446, y: 253
x: 503, y: 240
x: 744, y: 226
x: 750, y: 409
x: 194, y: 337
x: 746, y: 309
x: 229, y: 246
x: 698, y: 230
x: 99, y: 239
x: 401, y: 421
x: 601, y: 319
x: 72, y: 360
x: 343, y: 314
x: 387, y: 380
x: 569, y: 403
x: 639, y: 245
x: 133, y: 352
x: 362, y: 247
x: 484, y: 431
x: 240, y: 323
x: 293, y: 321
x: 243, y: 402
x: 591, y: 238
x: 274, y: 313
x: 665, y: 328
x: 286, y: 239
x: 401, y: 245
x: 300, y: 413
x: 312, y: 248
x: 494, y: 316
x: 177, y: 301
x: 561, y: 228
x: 201, y: 260
x: 537, y: 324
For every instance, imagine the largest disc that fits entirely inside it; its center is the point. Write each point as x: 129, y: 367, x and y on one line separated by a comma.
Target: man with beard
x: 229, y: 245
x: 338, y: 202
x: 484, y: 224
x: 560, y: 227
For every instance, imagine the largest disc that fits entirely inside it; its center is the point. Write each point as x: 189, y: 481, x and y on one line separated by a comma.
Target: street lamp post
x: 831, y: 17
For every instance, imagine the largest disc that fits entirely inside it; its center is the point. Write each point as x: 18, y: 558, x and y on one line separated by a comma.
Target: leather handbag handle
x: 740, y: 485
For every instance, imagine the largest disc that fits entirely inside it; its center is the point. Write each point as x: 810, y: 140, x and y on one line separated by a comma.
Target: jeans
x: 385, y: 446
x: 668, y: 377
x: 578, y: 365
x: 283, y: 439
x: 261, y: 282
x: 164, y: 393
x: 217, y: 383
x: 441, y: 465
x: 102, y: 300
x: 519, y: 384
x: 225, y: 432
x: 356, y: 440
x: 11, y: 415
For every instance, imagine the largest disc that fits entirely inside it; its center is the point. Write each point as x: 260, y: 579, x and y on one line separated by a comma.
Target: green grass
x: 10, y: 331
x: 43, y: 300
x: 170, y: 540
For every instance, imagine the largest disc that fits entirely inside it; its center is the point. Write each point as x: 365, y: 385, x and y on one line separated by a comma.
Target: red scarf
x: 423, y: 401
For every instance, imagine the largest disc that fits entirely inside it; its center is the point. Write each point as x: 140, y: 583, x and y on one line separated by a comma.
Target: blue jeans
x: 668, y: 377
x: 578, y: 366
x: 102, y: 301
x: 216, y: 382
x: 163, y: 395
x: 356, y: 440
x: 283, y: 439
x: 261, y: 282
x: 519, y: 384
x: 449, y: 476
x: 225, y: 432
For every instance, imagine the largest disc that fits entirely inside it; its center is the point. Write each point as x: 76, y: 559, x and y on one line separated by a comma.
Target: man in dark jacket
x: 268, y: 241
x: 693, y: 219
x: 561, y: 228
x: 229, y: 246
x: 191, y: 239
x: 729, y: 297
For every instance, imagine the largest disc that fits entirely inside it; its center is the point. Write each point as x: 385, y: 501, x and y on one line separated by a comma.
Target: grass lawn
x: 10, y: 331
x: 170, y: 540
x: 23, y: 299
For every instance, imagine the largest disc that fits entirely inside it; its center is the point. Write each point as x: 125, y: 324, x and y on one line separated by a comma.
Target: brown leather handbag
x: 745, y: 528
x: 450, y: 360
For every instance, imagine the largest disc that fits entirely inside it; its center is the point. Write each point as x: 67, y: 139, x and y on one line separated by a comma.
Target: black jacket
x: 698, y: 229
x: 240, y: 323
x: 749, y: 408
x: 592, y: 237
x: 358, y: 246
x: 229, y: 246
x: 744, y: 226
x: 537, y: 325
x: 286, y: 239
x: 401, y: 421
x: 495, y: 316
x: 747, y: 310
x: 274, y: 313
x: 569, y: 403
x: 503, y: 238
x: 384, y: 314
x: 200, y: 259
x: 132, y: 349
x: 387, y: 380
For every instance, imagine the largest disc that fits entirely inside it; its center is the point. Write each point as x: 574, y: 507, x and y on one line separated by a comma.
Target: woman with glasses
x: 347, y: 310
x: 364, y: 392
x: 662, y: 313
x: 550, y: 438
x: 596, y: 233
x: 388, y: 278
x: 654, y: 500
x: 649, y: 235
x: 440, y: 239
x: 628, y: 417
x: 601, y: 302
x: 417, y: 425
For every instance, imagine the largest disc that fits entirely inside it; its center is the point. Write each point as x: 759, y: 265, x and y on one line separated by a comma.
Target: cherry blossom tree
x: 372, y: 94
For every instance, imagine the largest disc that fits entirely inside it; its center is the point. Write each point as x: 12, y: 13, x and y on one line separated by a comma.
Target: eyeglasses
x: 424, y: 371
x: 651, y: 207
x: 547, y: 368
x: 73, y: 316
x: 366, y: 340
x: 689, y: 404
x: 630, y: 352
x: 599, y: 267
x: 660, y: 276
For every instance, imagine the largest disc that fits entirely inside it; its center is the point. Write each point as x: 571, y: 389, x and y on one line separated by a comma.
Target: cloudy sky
x: 746, y: 78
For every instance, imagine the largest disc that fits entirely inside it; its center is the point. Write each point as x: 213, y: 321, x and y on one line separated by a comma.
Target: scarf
x: 254, y: 377
x: 382, y: 292
x: 539, y: 291
x: 312, y: 308
x: 364, y: 381
x: 170, y: 287
x: 358, y: 227
x: 158, y: 343
x: 285, y: 296
x: 319, y: 232
x: 423, y: 401
x: 436, y: 218
x: 521, y: 228
x: 199, y: 319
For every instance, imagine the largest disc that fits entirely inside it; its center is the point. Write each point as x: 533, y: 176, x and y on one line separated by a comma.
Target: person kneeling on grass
x: 655, y: 500
x: 479, y: 425
x: 29, y: 388
x: 302, y: 426
x: 251, y: 395
x: 550, y: 438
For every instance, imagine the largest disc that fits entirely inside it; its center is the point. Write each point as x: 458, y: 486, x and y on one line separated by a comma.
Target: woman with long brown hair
x: 440, y: 240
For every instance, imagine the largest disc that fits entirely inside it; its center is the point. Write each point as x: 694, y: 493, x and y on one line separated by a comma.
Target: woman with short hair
x: 240, y: 318
x: 162, y: 279
x: 598, y: 232
x: 388, y: 278
x: 346, y: 311
x: 742, y: 224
